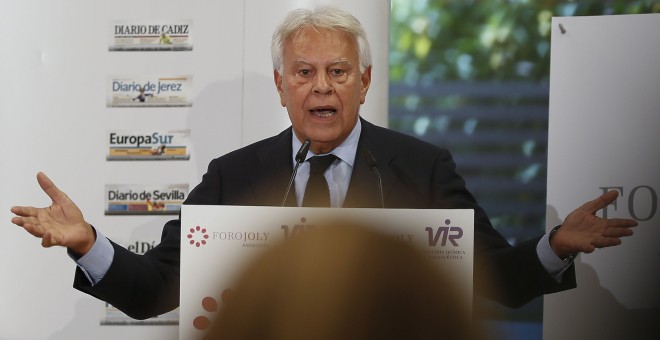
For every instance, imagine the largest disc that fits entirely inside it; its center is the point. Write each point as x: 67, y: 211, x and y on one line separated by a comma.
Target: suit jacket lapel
x: 363, y: 191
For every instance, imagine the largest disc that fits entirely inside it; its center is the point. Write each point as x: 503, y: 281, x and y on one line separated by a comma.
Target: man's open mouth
x: 323, y: 112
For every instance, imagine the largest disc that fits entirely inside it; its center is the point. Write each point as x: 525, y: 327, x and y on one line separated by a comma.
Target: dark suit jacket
x: 414, y: 174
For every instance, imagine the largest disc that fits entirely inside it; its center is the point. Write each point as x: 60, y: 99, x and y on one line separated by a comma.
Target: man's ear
x: 366, y: 81
x: 277, y: 77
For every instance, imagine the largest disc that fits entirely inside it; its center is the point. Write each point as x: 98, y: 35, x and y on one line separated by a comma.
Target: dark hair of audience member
x: 343, y: 282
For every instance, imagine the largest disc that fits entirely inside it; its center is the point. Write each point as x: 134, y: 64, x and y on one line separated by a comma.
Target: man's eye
x: 337, y: 72
x: 304, y: 72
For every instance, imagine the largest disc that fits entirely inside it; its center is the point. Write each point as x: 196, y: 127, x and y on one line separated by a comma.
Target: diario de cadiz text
x: 181, y: 29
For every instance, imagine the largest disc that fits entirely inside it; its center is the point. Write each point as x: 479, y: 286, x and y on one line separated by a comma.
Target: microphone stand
x: 300, y: 158
x: 371, y: 161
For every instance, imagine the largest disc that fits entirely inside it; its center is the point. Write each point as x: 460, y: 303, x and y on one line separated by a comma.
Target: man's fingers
x: 26, y: 222
x: 24, y: 211
x: 17, y: 221
x: 617, y: 232
x: 50, y: 189
x: 30, y: 220
x: 33, y: 229
x: 602, y: 242
x: 621, y: 223
x: 601, y: 202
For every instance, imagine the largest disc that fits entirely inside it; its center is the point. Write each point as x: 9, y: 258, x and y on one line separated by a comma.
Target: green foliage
x: 437, y: 40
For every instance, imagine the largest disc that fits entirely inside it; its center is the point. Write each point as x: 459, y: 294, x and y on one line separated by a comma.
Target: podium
x: 218, y: 241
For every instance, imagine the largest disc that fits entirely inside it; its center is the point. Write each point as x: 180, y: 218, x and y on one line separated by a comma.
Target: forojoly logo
x: 197, y: 236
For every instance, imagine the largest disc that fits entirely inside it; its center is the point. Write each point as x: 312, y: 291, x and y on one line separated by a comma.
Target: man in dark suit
x: 322, y: 71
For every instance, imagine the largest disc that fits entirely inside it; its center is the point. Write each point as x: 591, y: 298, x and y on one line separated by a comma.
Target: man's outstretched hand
x: 583, y: 231
x: 60, y: 224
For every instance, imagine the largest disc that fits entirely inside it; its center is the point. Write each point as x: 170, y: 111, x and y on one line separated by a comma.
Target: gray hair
x: 321, y: 17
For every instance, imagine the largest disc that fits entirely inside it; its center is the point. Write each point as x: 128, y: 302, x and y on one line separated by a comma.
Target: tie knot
x: 319, y: 164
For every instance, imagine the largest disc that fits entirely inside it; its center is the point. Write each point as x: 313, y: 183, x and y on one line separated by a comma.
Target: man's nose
x: 322, y: 84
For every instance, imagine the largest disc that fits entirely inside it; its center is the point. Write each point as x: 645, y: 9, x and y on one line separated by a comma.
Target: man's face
x: 321, y: 86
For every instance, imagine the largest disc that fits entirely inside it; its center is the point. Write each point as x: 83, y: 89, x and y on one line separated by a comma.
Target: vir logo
x: 292, y: 231
x: 448, y: 233
x: 198, y: 236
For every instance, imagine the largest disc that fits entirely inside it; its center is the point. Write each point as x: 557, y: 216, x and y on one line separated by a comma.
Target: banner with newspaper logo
x: 143, y: 91
x: 123, y: 199
x: 151, y: 36
x: 148, y: 145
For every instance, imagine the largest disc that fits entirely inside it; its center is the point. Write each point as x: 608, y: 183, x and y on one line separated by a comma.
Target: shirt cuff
x: 97, y: 261
x: 554, y: 265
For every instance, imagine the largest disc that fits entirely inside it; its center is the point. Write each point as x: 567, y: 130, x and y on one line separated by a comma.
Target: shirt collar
x: 345, y: 151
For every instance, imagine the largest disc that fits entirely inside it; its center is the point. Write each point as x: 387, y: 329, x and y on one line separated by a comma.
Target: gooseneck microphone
x: 371, y: 161
x: 300, y: 158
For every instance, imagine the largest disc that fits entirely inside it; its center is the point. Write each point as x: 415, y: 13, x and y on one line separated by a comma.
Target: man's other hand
x: 583, y: 231
x: 60, y: 224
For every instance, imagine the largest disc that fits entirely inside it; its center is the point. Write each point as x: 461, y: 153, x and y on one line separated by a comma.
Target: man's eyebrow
x: 340, y: 61
x: 301, y: 61
x: 330, y: 63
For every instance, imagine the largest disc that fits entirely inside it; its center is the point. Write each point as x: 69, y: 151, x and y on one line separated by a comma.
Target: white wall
x: 603, y: 133
x: 54, y: 65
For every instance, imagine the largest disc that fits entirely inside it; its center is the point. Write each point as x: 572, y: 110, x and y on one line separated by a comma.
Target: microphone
x: 300, y: 157
x: 371, y: 161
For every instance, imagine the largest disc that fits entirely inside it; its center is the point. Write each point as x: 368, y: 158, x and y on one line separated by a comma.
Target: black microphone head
x: 300, y: 157
x: 302, y: 152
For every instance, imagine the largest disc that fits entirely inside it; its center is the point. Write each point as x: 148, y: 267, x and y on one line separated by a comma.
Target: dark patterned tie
x: 317, y: 193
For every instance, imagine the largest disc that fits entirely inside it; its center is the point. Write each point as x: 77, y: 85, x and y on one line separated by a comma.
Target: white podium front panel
x: 217, y: 241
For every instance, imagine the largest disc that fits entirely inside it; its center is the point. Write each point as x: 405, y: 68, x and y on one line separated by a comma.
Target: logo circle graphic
x: 197, y: 236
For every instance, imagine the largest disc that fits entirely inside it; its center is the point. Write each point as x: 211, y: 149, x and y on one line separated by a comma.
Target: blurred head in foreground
x: 343, y: 282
